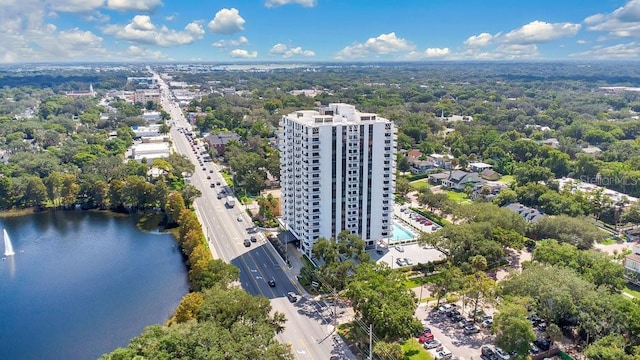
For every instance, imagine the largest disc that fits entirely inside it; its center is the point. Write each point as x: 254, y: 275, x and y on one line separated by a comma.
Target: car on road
x: 208, y: 177
x: 211, y: 171
x: 212, y: 185
x: 247, y: 242
x: 399, y: 248
x: 217, y: 182
x: 219, y: 195
x: 292, y: 296
x: 432, y: 344
x: 204, y: 168
x: 272, y: 283
x: 471, y: 329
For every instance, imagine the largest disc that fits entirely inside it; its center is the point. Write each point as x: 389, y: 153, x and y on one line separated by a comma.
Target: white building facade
x: 337, y: 172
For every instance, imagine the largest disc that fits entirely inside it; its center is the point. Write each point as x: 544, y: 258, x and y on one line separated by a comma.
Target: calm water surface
x: 82, y: 284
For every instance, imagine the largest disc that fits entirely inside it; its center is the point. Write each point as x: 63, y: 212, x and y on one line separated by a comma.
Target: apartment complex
x: 337, y: 172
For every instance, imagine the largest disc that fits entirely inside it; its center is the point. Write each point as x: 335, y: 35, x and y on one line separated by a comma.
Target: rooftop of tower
x: 334, y: 113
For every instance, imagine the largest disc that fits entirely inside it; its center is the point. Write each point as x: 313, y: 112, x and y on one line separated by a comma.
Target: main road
x: 309, y: 326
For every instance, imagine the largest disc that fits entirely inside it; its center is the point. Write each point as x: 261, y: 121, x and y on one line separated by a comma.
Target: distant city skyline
x: 318, y: 30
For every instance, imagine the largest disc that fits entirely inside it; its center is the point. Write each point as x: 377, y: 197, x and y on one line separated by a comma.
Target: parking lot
x: 413, y: 252
x: 464, y: 347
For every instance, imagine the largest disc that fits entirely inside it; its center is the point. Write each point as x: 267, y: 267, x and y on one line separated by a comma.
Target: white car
x: 239, y: 219
x: 408, y: 261
x: 432, y: 344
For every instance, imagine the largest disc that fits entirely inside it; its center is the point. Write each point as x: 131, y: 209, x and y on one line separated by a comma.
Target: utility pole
x: 370, y: 341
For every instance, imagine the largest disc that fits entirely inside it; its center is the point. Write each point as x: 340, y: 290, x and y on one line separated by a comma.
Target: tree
x: 514, y: 332
x: 379, y: 298
x: 213, y: 273
x: 576, y: 231
x: 610, y: 347
x: 188, y: 308
x: 174, y: 207
x: 450, y: 279
x: 35, y: 193
x: 478, y: 288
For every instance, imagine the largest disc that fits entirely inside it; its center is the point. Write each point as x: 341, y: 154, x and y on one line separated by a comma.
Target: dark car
x: 247, y: 242
x: 219, y: 195
x: 543, y: 344
x: 208, y: 177
x: 253, y: 239
x: 292, y: 296
x: 212, y: 185
x: 217, y: 182
x: 272, y: 283
x: 487, y: 353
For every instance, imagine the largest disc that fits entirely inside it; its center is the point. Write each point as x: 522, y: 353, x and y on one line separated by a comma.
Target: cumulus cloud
x: 75, y: 5
x: 243, y: 54
x: 287, y: 52
x: 382, y: 45
x: 274, y: 3
x: 623, y: 22
x: 139, y: 53
x: 133, y: 5
x: 430, y: 53
x: 141, y: 30
x: 227, y: 21
x: 620, y: 51
x: 97, y: 17
x: 480, y: 40
x: 229, y: 43
x: 539, y: 32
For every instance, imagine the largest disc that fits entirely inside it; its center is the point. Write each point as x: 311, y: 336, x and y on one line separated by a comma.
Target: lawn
x: 414, y: 351
x: 632, y: 290
x: 420, y: 184
x: 456, y: 196
x: 507, y: 179
x: 609, y: 241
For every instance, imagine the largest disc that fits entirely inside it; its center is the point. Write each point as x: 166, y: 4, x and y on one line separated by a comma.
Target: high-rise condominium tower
x: 337, y: 172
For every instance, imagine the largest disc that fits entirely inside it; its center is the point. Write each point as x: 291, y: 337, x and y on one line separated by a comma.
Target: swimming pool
x: 400, y: 233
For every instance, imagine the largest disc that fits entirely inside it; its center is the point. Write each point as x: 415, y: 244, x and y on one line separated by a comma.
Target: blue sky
x: 318, y: 30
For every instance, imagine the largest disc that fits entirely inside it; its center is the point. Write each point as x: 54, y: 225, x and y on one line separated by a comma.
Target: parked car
x: 464, y: 323
x: 253, y: 239
x: 247, y: 242
x: 400, y: 262
x: 239, y: 219
x: 292, y: 296
x: 543, y: 344
x: 487, y: 353
x: 408, y: 261
x: 457, y: 318
x: 471, y: 329
x: 432, y: 344
x: 425, y: 337
x: 487, y: 323
x: 453, y: 312
x: 501, y: 354
x: 445, y: 308
x: 534, y: 349
x: 444, y: 354
x: 399, y: 248
x: 212, y: 185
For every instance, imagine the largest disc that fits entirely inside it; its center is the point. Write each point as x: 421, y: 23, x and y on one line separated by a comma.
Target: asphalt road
x: 308, y: 328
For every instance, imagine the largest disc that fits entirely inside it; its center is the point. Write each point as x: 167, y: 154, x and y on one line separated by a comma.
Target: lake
x: 83, y: 283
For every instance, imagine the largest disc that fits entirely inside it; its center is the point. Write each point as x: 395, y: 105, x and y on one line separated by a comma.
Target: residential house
x: 592, y: 150
x: 419, y: 164
x: 456, y: 179
x: 530, y: 215
x: 553, y: 142
x: 478, y: 166
x: 486, y: 191
x: 441, y: 161
x: 632, y: 265
x: 220, y: 140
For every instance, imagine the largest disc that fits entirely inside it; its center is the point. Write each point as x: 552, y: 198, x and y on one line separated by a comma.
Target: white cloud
x: 581, y: 42
x: 97, y: 17
x: 75, y: 5
x: 480, y: 40
x: 539, y: 32
x: 133, y: 5
x: 244, y: 54
x: 287, y: 52
x: 171, y: 17
x: 229, y: 43
x: 502, y: 52
x: 430, y: 53
x: 620, y: 51
x: 622, y: 22
x: 142, y: 30
x: 227, y: 21
x: 138, y: 53
x: 382, y: 45
x: 274, y: 3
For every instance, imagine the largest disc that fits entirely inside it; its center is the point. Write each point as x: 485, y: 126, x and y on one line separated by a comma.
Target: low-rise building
x: 632, y: 265
x: 143, y: 96
x: 219, y: 141
x: 529, y: 215
x: 150, y: 151
x: 478, y: 166
x: 456, y: 179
